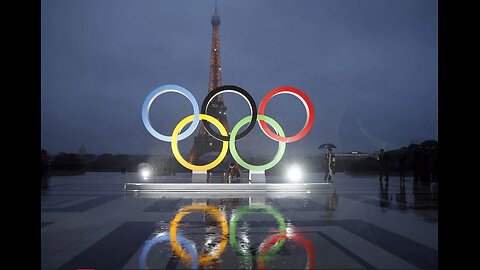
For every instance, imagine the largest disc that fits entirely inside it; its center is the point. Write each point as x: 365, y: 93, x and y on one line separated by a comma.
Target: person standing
x: 434, y: 165
x: 402, y: 160
x: 383, y: 160
x: 233, y: 173
x: 330, y: 160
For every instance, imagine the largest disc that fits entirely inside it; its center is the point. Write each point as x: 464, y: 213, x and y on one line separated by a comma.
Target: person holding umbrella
x: 330, y: 158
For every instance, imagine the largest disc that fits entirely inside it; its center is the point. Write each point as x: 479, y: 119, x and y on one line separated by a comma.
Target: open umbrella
x: 326, y: 146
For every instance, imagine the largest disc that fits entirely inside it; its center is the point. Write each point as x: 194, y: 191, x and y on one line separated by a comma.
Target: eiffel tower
x: 204, y: 143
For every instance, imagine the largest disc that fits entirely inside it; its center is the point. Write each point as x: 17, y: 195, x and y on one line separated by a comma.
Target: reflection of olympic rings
x: 232, y: 89
x: 179, y: 157
x: 256, y: 209
x: 224, y: 136
x: 265, y: 252
x: 187, y: 210
x: 160, y: 91
x: 166, y: 237
x: 294, y: 237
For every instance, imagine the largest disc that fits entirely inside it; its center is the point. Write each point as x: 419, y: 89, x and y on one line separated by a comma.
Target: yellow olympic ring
x: 179, y: 157
x: 187, y: 210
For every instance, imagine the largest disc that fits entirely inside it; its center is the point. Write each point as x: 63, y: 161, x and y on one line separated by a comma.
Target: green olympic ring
x: 240, y: 161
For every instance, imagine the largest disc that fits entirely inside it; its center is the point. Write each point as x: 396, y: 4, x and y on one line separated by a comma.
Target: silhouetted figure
x: 330, y: 162
x: 434, y: 165
x: 44, y: 169
x: 238, y: 171
x: 402, y: 160
x: 122, y: 171
x: 416, y: 164
x: 383, y: 160
x: 233, y: 173
x: 434, y: 191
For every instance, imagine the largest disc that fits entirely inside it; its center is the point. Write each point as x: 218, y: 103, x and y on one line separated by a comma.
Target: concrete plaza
x: 89, y: 222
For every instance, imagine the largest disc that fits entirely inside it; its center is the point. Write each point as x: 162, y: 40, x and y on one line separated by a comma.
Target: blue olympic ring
x: 163, y: 237
x: 160, y: 91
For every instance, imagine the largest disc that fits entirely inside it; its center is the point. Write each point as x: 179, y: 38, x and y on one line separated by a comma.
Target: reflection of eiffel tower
x: 204, y: 143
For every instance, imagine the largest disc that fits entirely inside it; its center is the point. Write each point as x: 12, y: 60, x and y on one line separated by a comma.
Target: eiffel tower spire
x: 204, y: 143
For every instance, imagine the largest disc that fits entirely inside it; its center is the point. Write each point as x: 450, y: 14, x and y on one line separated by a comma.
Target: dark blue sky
x: 369, y: 66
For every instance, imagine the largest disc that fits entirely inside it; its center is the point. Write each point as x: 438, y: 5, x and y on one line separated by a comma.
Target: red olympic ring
x: 308, y: 107
x: 294, y: 237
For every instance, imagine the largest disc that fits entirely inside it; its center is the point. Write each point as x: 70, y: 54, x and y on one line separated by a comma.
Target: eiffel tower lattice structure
x: 204, y: 143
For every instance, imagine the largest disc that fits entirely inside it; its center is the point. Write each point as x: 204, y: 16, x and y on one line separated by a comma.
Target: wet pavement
x: 89, y: 222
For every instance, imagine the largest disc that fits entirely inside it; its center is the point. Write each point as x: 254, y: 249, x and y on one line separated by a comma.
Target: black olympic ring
x: 237, y: 90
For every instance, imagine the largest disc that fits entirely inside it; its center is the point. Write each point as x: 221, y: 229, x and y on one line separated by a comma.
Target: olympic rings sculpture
x: 226, y: 139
